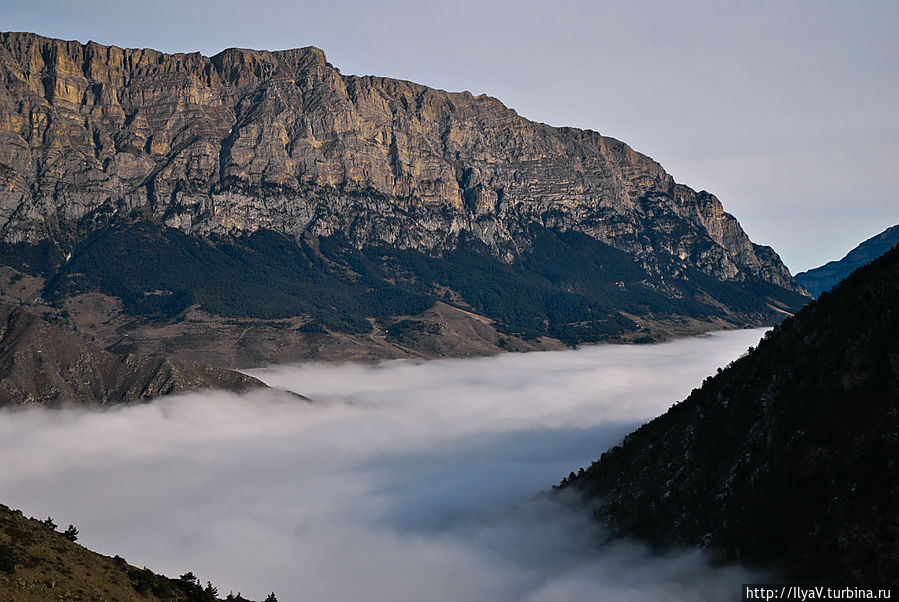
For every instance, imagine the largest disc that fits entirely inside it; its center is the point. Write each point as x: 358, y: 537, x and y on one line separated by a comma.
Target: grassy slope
x: 38, y: 564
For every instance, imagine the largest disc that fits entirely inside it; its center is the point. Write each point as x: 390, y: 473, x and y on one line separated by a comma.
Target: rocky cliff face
x: 45, y: 364
x: 249, y: 140
x: 787, y: 458
x: 269, y: 186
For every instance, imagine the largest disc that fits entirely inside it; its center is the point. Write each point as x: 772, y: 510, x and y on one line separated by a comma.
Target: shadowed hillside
x: 787, y: 459
x: 46, y: 364
x: 38, y: 563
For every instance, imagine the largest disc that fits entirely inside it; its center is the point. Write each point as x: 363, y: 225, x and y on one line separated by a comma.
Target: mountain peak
x: 249, y: 141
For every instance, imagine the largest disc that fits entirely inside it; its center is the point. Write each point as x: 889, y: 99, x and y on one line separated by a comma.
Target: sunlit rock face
x: 283, y: 141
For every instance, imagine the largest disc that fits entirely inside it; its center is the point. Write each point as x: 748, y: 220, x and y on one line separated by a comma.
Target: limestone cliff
x: 283, y: 141
x: 339, y: 211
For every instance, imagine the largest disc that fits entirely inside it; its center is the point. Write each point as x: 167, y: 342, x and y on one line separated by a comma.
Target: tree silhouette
x: 8, y: 559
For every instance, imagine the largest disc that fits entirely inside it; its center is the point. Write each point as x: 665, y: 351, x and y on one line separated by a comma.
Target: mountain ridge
x: 823, y: 278
x: 222, y: 148
x: 229, y: 74
x: 785, y: 459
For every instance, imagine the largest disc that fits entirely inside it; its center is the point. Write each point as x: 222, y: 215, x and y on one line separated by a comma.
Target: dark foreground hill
x: 37, y: 564
x: 824, y: 278
x: 46, y: 364
x: 787, y: 459
x: 261, y: 205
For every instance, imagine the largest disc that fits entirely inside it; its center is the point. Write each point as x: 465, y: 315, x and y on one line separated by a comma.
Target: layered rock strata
x: 283, y: 141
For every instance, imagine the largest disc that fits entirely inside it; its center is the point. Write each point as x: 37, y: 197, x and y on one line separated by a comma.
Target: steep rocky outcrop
x: 97, y: 139
x: 824, y: 278
x: 787, y: 458
x: 45, y: 364
x: 282, y: 140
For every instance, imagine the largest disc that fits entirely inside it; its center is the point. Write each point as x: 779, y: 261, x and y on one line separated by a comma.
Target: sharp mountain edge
x: 250, y: 153
x: 825, y: 277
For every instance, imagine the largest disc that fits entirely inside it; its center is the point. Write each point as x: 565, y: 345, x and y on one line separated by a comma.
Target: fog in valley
x: 400, y: 481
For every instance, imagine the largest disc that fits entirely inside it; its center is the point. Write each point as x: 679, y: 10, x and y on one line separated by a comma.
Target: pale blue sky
x: 787, y: 111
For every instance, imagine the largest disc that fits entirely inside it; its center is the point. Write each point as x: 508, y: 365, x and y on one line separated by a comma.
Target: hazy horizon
x: 401, y: 481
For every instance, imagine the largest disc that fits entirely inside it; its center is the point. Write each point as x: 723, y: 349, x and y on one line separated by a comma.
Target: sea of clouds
x: 399, y: 481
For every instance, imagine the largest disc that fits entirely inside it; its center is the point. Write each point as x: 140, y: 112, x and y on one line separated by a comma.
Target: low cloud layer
x: 402, y: 481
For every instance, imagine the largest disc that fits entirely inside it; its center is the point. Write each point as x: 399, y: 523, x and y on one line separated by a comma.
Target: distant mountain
x: 297, y: 212
x: 787, y: 459
x: 38, y: 563
x: 824, y: 278
x: 45, y: 364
